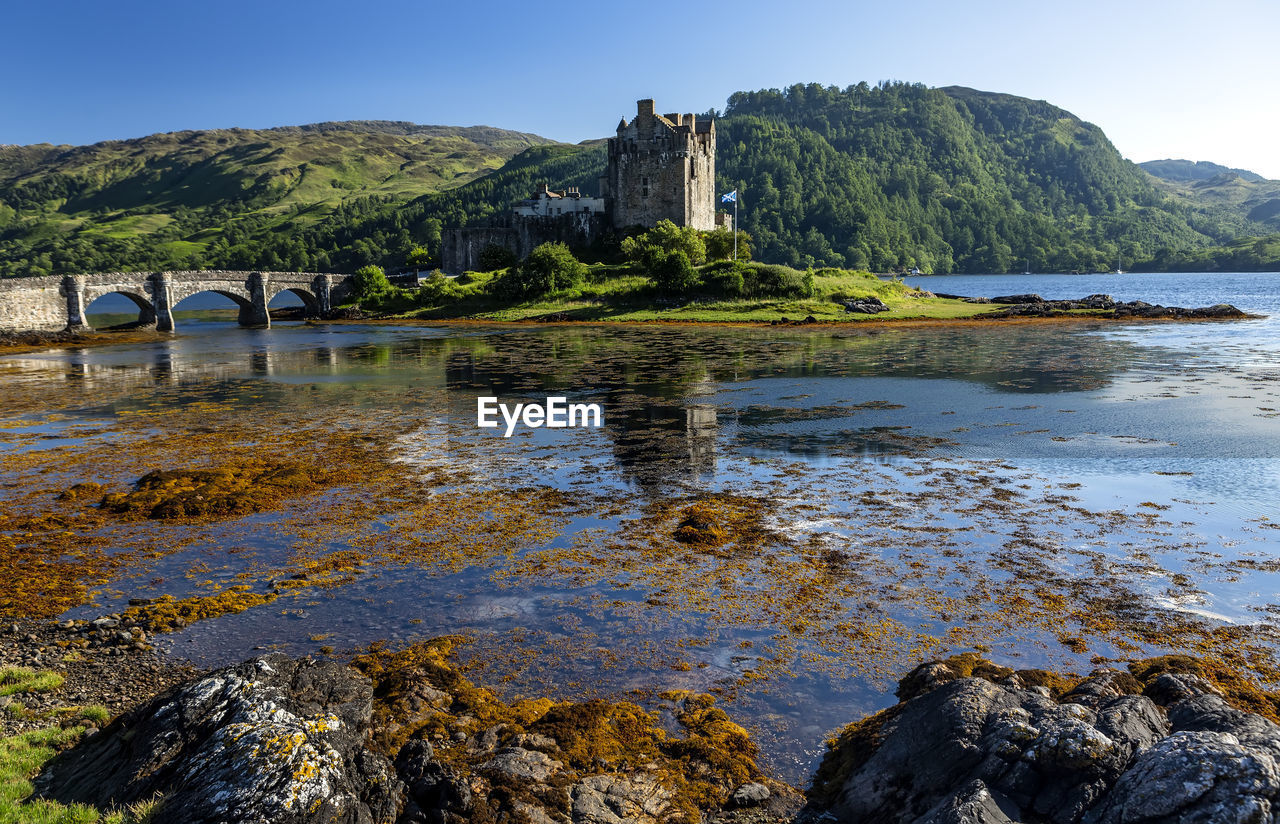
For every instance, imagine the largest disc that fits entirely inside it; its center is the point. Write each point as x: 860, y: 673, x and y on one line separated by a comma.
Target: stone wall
x: 520, y: 235
x: 32, y: 305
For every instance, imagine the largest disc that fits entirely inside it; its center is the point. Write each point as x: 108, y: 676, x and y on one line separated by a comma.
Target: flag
x: 732, y: 197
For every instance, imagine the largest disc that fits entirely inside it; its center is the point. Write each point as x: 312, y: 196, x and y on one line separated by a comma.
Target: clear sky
x: 1195, y: 80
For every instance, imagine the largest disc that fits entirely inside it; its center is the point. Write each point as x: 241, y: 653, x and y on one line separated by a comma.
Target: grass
x: 621, y: 294
x: 23, y: 755
x: 14, y: 680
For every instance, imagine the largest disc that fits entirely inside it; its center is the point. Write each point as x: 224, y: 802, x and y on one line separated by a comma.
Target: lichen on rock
x: 272, y: 739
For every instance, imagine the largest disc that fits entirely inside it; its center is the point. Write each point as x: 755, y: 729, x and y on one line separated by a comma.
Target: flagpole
x: 735, y: 225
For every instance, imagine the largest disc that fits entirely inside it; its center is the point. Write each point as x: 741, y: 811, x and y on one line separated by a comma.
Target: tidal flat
x: 788, y: 519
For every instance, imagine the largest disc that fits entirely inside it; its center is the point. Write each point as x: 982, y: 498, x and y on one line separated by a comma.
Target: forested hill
x: 882, y: 177
x: 183, y: 198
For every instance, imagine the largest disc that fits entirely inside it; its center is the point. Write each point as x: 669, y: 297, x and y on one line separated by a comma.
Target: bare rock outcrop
x: 974, y: 744
x: 270, y: 740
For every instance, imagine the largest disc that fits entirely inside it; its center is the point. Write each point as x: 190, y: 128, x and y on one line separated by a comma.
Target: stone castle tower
x: 662, y: 168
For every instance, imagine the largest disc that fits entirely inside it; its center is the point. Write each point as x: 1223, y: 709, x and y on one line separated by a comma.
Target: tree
x: 719, y: 244
x: 672, y: 271
x: 418, y: 256
x: 549, y: 268
x: 371, y: 283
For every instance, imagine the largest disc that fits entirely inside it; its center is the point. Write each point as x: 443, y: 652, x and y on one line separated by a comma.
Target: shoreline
x: 13, y: 343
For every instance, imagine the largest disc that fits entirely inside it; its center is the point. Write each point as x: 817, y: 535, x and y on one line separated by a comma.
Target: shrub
x: 436, y: 289
x: 780, y: 281
x: 549, y: 268
x: 672, y: 271
x: 494, y: 257
x: 727, y: 278
x: 371, y: 283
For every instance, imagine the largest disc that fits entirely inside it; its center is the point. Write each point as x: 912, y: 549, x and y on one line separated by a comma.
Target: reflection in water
x: 918, y: 486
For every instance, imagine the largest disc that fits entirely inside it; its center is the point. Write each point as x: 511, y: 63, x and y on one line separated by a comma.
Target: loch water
x: 926, y: 490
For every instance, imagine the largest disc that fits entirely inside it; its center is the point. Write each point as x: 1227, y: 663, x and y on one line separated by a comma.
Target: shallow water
x: 925, y: 491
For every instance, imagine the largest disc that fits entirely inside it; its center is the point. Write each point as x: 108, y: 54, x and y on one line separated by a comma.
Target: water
x: 1051, y: 495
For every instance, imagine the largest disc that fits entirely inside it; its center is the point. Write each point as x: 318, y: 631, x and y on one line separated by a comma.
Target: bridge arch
x: 245, y: 311
x: 309, y: 300
x: 142, y: 302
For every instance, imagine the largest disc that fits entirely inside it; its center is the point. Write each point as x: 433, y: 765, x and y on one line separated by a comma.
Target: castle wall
x: 460, y: 248
x: 520, y: 235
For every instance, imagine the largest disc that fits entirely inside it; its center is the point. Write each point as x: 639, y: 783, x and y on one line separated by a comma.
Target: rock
x: 271, y: 739
x: 1112, y: 750
x: 972, y: 804
x: 1170, y: 688
x: 536, y: 741
x: 1045, y: 759
x: 752, y: 794
x: 867, y: 305
x: 517, y: 762
x: 1218, y: 310
x: 611, y: 799
x: 1028, y: 298
x: 434, y: 790
x: 1194, y: 777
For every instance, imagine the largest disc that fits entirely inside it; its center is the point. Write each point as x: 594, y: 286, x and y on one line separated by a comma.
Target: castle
x: 660, y: 168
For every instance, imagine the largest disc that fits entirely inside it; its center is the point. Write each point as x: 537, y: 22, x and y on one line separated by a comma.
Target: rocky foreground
x: 405, y: 738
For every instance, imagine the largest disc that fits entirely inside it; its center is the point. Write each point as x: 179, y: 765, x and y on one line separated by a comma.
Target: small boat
x: 915, y: 270
x: 1118, y: 270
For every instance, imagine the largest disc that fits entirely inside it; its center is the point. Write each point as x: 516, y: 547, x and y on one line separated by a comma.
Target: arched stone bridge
x: 59, y: 301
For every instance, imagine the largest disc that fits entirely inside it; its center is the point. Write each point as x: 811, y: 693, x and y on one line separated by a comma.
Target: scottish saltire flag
x: 732, y: 197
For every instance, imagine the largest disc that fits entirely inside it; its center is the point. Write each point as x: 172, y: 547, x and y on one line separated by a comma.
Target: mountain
x: 881, y: 177
x: 1187, y: 171
x: 178, y: 199
x: 1242, y: 200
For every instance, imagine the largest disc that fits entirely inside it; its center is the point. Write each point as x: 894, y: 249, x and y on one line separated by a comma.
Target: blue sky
x: 1163, y: 79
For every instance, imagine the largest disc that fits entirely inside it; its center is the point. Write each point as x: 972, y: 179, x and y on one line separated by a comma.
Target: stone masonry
x: 662, y: 167
x: 59, y: 302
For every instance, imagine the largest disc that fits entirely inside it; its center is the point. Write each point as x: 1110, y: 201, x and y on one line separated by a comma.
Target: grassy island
x: 627, y: 294
x: 667, y: 273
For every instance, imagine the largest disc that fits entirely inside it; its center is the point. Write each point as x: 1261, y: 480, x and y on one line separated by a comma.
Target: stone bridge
x: 59, y: 301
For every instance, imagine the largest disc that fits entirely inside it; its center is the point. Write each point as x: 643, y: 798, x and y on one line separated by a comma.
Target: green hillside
x: 885, y: 178
x: 1247, y: 202
x: 183, y: 198
x: 1186, y: 171
x: 868, y: 177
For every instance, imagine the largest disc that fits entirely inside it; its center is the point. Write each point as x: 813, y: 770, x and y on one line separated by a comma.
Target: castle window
x: 644, y: 187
